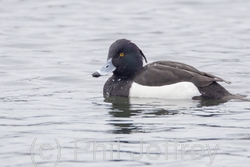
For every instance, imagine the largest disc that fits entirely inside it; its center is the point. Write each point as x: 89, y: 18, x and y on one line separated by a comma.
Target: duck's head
x: 124, y: 59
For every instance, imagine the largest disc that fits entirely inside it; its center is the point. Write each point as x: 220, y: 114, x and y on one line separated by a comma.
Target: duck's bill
x: 105, y: 70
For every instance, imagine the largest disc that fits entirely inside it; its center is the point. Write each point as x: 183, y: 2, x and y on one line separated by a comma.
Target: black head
x: 124, y: 59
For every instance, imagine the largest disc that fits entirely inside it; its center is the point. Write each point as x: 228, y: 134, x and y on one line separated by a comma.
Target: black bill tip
x: 96, y: 74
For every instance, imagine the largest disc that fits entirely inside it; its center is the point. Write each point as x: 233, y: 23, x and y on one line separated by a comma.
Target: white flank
x: 181, y: 90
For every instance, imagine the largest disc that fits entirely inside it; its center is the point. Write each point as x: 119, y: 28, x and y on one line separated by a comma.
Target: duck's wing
x: 167, y: 72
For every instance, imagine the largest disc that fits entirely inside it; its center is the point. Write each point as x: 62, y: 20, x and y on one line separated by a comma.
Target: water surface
x: 49, y: 100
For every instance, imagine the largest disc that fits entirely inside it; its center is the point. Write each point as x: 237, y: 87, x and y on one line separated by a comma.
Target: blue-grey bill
x: 105, y: 70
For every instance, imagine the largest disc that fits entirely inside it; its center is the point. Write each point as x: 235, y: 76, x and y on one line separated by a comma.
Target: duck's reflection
x: 126, y: 107
x: 211, y: 102
x: 123, y: 108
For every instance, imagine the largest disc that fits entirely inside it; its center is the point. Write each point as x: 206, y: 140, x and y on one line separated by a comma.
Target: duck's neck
x: 132, y: 71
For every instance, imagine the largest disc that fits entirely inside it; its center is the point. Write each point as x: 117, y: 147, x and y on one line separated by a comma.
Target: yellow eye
x: 121, y: 54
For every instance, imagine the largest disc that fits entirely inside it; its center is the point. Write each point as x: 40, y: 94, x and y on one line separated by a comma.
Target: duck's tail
x: 214, y: 91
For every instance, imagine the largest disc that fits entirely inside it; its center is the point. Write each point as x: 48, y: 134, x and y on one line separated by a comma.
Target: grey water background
x: 49, y: 49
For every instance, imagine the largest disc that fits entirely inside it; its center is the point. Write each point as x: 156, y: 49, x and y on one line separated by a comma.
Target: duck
x: 160, y: 79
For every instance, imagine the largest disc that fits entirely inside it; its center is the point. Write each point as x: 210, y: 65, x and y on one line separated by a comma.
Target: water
x: 49, y: 101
